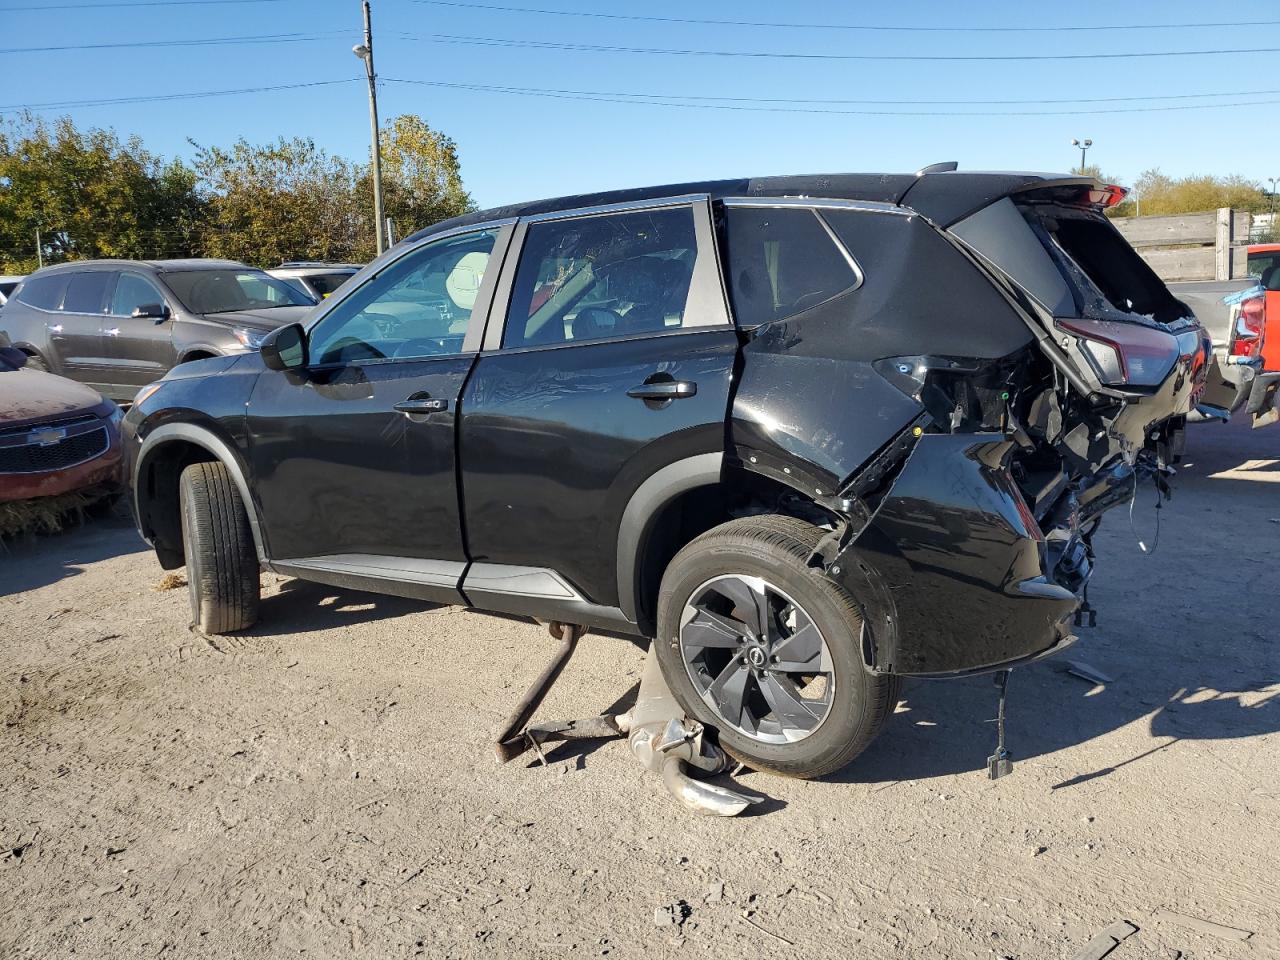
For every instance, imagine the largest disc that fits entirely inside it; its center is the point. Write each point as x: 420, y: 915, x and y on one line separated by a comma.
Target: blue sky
x: 517, y: 147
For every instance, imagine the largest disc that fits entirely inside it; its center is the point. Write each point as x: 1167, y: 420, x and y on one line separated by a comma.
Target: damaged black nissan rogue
x: 810, y: 434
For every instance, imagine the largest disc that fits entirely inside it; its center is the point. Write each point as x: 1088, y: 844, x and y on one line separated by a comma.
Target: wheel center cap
x: 756, y: 657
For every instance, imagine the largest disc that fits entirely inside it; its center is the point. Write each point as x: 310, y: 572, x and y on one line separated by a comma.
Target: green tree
x: 1157, y: 194
x: 287, y: 200
x: 421, y: 176
x: 89, y: 195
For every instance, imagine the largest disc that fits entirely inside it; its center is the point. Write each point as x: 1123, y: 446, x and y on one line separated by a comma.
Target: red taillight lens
x: 1125, y: 354
x: 1246, y: 339
x: 1107, y: 196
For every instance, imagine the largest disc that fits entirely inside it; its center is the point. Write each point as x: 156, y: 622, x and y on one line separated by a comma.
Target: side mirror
x: 285, y: 348
x: 152, y: 311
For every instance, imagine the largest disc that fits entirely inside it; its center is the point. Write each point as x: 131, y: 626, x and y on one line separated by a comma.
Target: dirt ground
x: 323, y: 786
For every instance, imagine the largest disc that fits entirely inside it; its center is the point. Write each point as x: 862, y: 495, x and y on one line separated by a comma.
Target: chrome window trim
x: 371, y: 270
x: 625, y: 206
x: 820, y: 203
x: 845, y: 252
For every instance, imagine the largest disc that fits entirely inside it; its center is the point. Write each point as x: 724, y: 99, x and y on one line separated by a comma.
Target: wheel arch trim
x: 222, y: 452
x: 641, y: 512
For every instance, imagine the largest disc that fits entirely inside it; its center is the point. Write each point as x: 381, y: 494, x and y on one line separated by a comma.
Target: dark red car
x: 56, y: 436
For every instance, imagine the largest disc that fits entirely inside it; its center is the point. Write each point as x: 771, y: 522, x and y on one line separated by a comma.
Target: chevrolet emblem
x: 47, y: 438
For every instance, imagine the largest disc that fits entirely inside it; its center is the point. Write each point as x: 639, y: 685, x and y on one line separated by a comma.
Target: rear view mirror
x: 151, y: 311
x: 285, y: 348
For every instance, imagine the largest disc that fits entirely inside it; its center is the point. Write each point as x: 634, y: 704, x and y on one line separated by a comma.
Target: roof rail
x: 947, y: 166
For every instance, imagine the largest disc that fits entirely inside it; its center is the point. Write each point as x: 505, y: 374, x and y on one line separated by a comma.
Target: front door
x: 616, y: 360
x: 140, y: 348
x: 353, y: 459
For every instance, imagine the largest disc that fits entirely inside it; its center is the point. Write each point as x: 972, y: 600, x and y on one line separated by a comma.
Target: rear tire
x: 818, y: 728
x: 222, y: 565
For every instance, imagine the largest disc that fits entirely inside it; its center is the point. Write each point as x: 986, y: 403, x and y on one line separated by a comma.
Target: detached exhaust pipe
x: 665, y: 743
x: 656, y: 728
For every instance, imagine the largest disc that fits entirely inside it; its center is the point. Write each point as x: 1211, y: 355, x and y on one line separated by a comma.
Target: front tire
x: 222, y: 565
x: 754, y: 642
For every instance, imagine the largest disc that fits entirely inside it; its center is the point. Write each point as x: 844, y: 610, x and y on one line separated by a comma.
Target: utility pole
x: 39, y: 250
x: 1083, y: 145
x: 365, y: 52
x: 1273, y: 181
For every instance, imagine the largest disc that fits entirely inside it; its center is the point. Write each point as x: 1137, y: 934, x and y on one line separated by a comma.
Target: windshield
x: 226, y: 289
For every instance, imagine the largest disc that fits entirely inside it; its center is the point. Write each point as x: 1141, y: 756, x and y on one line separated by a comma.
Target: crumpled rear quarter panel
x: 949, y: 569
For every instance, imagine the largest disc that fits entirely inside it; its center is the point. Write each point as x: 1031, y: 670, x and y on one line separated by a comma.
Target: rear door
x: 140, y: 348
x: 615, y: 359
x: 75, y: 336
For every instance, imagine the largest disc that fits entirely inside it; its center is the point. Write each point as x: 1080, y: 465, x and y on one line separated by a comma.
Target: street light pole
x: 365, y: 52
x: 1273, y: 181
x: 1083, y: 145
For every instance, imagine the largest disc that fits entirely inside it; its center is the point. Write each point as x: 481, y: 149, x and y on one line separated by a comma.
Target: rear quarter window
x: 780, y: 262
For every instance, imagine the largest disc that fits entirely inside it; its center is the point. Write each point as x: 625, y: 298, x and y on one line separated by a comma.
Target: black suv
x: 811, y: 434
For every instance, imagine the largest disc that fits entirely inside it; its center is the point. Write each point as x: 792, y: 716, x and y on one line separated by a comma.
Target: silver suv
x: 118, y: 325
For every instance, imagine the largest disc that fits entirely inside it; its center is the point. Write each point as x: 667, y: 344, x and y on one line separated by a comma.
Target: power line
x: 823, y: 100
x: 840, y: 26
x: 773, y: 54
x: 157, y: 98
x: 194, y: 42
x: 659, y: 101
x: 127, y: 3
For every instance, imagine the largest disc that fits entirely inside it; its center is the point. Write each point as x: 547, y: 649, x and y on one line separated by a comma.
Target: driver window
x: 591, y: 278
x: 420, y: 306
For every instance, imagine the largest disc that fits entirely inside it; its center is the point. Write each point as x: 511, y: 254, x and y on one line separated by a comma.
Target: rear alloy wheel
x: 765, y: 649
x: 757, y: 659
x: 223, y: 574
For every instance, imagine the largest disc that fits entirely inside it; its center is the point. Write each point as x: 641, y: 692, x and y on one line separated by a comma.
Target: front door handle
x: 422, y: 405
x: 113, y: 332
x: 664, y: 390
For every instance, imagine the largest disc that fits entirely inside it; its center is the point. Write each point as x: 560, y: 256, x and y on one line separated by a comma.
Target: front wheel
x: 764, y: 648
x: 223, y: 575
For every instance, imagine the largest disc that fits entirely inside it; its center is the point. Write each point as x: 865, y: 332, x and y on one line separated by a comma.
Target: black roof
x: 944, y: 196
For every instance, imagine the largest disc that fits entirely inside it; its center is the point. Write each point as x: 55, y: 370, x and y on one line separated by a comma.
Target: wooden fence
x: 1191, y: 246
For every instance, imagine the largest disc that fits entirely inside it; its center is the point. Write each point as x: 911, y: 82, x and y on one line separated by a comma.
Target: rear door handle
x: 664, y: 390
x: 422, y: 405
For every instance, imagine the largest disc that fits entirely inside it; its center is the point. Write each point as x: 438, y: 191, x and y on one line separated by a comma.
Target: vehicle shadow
x: 301, y: 606
x: 1186, y: 633
x: 32, y: 561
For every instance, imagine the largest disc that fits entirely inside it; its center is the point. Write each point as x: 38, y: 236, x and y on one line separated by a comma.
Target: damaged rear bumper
x: 952, y: 569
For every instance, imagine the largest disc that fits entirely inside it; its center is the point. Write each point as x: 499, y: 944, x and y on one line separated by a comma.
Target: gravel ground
x: 323, y: 784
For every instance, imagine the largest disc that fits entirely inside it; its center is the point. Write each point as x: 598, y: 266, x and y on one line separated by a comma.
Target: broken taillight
x: 1124, y: 354
x: 1247, y: 336
x: 1108, y: 195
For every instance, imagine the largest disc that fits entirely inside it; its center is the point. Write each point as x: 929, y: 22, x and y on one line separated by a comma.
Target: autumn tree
x: 421, y: 176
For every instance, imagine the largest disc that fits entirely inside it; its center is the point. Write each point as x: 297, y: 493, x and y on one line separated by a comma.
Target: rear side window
x: 86, y: 292
x: 780, y: 262
x: 44, y: 292
x: 1266, y: 267
x: 593, y: 278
